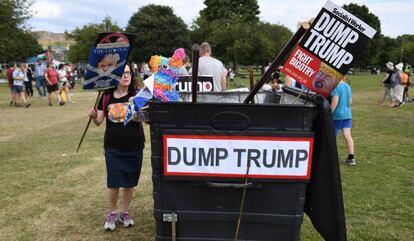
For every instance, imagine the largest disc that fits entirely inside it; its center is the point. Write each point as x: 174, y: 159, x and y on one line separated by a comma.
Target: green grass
x: 50, y: 193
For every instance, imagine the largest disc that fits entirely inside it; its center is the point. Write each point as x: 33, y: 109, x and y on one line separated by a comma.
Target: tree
x: 387, y: 51
x: 229, y: 11
x: 85, y: 38
x: 159, y: 31
x: 369, y: 55
x: 14, y: 14
x: 229, y: 27
x: 16, y: 42
x: 26, y: 46
x: 402, y: 49
x: 269, y: 39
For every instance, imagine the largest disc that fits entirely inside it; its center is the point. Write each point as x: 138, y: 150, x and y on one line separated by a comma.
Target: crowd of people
x: 50, y: 81
x: 396, y: 83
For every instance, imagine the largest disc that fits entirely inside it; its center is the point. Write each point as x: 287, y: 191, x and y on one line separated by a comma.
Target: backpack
x: 105, y: 102
x: 10, y: 76
x: 394, y: 79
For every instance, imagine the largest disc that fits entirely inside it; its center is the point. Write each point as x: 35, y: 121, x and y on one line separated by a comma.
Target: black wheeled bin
x: 200, y: 158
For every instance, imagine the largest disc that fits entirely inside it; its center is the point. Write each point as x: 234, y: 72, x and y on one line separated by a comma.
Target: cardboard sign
x: 204, y: 83
x: 107, y: 61
x: 328, y: 49
x: 229, y: 156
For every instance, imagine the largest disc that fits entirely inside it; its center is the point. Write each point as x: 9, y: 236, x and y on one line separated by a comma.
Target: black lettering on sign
x: 272, y: 163
x: 329, y: 38
x: 221, y: 154
x: 285, y: 160
x: 177, y: 151
x: 301, y: 155
x: 205, y: 159
x: 253, y: 155
x: 239, y: 155
x: 185, y: 156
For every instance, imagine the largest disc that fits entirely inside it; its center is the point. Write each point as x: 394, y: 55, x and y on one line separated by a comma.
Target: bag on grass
x: 64, y: 96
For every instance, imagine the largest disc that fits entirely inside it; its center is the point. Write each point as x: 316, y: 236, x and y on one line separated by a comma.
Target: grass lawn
x: 50, y: 193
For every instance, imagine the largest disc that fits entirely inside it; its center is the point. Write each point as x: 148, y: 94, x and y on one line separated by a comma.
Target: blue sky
x: 396, y: 16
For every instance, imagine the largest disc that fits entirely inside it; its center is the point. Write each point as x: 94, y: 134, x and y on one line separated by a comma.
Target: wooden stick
x: 251, y: 77
x: 89, y: 122
x: 236, y: 236
x: 196, y: 53
x: 276, y: 62
x: 251, y: 80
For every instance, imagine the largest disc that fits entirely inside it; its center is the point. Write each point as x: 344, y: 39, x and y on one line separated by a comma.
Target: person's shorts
x: 61, y: 84
x: 12, y: 89
x: 341, y: 124
x: 17, y: 88
x: 52, y: 88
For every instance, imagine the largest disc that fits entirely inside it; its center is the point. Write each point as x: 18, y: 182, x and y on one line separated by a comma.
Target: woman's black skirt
x: 123, y: 167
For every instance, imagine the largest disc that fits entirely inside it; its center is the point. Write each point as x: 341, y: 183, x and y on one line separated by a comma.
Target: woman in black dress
x: 123, y: 147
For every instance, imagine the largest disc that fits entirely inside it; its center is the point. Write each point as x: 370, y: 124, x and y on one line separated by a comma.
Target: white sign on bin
x: 229, y: 156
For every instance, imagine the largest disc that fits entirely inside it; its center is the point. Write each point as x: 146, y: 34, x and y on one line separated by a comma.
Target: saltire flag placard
x: 328, y: 49
x: 107, y: 61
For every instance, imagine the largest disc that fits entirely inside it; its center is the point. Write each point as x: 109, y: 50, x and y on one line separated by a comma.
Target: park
x: 49, y: 192
x: 53, y: 188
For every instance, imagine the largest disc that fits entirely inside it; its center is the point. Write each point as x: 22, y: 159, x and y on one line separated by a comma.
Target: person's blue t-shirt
x: 343, y: 109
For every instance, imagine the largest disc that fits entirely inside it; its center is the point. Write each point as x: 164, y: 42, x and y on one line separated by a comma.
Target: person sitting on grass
x: 342, y: 116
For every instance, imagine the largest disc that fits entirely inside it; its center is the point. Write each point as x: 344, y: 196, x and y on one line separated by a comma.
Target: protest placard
x: 229, y: 156
x: 107, y: 60
x: 328, y: 49
x: 204, y: 83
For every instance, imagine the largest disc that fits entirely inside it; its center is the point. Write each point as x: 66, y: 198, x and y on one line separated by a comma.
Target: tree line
x: 232, y: 27
x: 236, y: 34
x: 16, y: 41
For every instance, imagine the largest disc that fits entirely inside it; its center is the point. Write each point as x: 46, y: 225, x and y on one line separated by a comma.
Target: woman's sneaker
x: 350, y: 162
x: 110, y: 221
x: 126, y: 219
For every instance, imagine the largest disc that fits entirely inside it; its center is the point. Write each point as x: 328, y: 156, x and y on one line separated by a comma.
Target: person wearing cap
x: 387, y: 84
x: 398, y: 89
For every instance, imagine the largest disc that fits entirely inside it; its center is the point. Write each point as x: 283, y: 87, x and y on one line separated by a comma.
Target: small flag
x: 44, y: 56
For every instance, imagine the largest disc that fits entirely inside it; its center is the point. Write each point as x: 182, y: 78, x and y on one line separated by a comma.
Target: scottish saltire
x: 107, y: 60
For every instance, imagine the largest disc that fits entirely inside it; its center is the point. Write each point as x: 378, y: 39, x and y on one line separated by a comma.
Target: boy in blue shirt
x: 342, y: 116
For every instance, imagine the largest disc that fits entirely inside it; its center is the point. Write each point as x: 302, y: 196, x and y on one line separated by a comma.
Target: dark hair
x: 132, y: 88
x: 61, y: 66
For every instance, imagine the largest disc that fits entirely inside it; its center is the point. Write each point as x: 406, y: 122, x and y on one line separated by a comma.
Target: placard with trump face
x: 328, y: 49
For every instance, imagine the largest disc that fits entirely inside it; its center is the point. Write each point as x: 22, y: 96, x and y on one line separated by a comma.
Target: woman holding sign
x: 123, y: 147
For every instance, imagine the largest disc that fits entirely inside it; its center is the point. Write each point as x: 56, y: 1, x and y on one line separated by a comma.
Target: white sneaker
x: 110, y: 222
x: 126, y: 219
